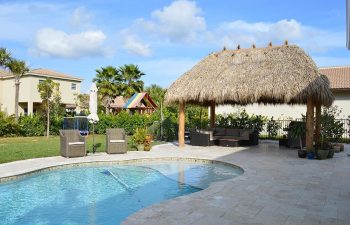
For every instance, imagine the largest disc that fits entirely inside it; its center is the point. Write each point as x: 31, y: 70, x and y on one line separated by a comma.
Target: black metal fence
x: 285, y: 123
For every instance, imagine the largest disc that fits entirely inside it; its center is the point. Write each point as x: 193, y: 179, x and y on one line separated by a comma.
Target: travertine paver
x: 276, y: 187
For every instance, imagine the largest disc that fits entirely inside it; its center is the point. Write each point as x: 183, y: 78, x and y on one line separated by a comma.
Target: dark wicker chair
x: 115, y: 141
x: 200, y: 139
x: 72, y: 144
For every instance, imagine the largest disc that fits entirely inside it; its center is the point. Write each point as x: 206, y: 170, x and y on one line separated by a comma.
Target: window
x: 40, y: 81
x: 74, y: 87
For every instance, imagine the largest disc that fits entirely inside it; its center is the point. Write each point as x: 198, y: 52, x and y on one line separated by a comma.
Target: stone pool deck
x: 276, y: 188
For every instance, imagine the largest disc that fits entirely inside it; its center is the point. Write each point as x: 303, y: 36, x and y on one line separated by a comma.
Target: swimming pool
x: 102, y: 194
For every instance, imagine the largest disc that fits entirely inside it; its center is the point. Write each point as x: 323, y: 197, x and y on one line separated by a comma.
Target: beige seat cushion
x: 117, y: 141
x: 76, y: 143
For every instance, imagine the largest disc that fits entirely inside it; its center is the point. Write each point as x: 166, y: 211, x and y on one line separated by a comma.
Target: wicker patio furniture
x: 72, y: 143
x: 115, y: 141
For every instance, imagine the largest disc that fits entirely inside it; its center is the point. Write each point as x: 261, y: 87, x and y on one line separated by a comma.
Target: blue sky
x: 165, y: 38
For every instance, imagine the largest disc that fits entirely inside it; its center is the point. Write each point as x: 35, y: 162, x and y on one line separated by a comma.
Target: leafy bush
x: 8, y: 126
x: 123, y: 120
x: 241, y: 121
x: 31, y: 126
x: 331, y: 129
x: 55, y: 125
x: 272, y: 127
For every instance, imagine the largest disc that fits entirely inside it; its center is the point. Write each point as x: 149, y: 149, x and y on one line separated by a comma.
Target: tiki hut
x: 272, y: 75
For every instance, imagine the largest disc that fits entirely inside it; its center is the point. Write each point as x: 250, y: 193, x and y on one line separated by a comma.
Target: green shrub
x: 55, y: 125
x: 31, y: 126
x: 8, y: 126
x: 331, y: 129
x: 241, y: 121
x: 272, y: 127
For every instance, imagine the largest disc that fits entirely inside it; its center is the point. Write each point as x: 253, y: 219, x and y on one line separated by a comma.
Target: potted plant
x: 297, y: 130
x: 148, y: 142
x: 139, y: 137
x: 331, y: 130
x: 323, y: 151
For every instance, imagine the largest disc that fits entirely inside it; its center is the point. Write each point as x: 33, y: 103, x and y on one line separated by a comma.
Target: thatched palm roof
x: 280, y: 74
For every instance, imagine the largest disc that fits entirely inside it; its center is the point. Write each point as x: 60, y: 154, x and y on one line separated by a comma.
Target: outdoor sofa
x: 208, y: 137
x: 115, y: 141
x: 72, y: 143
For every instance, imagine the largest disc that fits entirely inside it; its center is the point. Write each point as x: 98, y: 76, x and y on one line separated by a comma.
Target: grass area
x: 19, y: 148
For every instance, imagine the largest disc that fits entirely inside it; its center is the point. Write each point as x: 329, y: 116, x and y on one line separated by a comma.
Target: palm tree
x: 131, y: 76
x: 5, y: 57
x: 18, y: 68
x: 109, y: 83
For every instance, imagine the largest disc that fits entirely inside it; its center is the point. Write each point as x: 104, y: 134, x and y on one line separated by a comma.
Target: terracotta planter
x: 147, y: 147
x: 336, y: 148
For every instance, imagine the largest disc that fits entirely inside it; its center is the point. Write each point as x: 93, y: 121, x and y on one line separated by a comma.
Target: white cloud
x: 81, y: 17
x: 261, y: 33
x: 135, y: 46
x: 57, y: 43
x: 179, y: 22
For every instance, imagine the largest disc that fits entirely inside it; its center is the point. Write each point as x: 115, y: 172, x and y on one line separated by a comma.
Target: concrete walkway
x: 276, y: 188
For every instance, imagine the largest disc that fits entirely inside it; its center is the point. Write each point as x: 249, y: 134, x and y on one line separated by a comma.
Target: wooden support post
x: 212, y: 114
x: 181, y: 133
x: 309, y: 124
x: 318, y: 124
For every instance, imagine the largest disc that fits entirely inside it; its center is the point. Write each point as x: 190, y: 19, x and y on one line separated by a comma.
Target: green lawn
x: 19, y: 148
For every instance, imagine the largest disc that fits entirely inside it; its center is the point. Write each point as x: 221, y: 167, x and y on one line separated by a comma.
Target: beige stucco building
x: 339, y: 78
x: 29, y: 98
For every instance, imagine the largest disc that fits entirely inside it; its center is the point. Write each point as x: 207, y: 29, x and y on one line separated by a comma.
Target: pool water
x: 104, y: 194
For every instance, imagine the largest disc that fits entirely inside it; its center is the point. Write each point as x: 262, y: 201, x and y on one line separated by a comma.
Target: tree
x: 109, y: 84
x: 131, y: 76
x: 18, y: 68
x: 82, y: 102
x: 5, y: 57
x: 157, y: 93
x: 48, y: 90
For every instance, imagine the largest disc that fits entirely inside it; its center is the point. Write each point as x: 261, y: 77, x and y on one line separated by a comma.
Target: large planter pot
x: 322, y: 153
x: 338, y: 148
x: 330, y: 154
x: 310, y: 155
x: 140, y: 147
x: 147, y: 147
x: 302, y: 153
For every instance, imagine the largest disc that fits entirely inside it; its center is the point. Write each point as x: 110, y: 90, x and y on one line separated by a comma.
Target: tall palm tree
x: 5, y: 57
x: 131, y: 75
x: 18, y: 68
x: 109, y: 83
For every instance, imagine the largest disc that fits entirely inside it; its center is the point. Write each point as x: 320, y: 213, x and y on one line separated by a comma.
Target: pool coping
x: 113, y: 162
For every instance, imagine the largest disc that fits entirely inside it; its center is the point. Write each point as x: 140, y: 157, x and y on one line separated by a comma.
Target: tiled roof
x: 42, y: 72
x: 118, y: 102
x: 339, y: 77
x: 52, y: 73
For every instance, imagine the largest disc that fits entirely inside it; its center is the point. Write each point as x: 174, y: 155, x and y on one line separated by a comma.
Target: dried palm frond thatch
x: 275, y: 74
